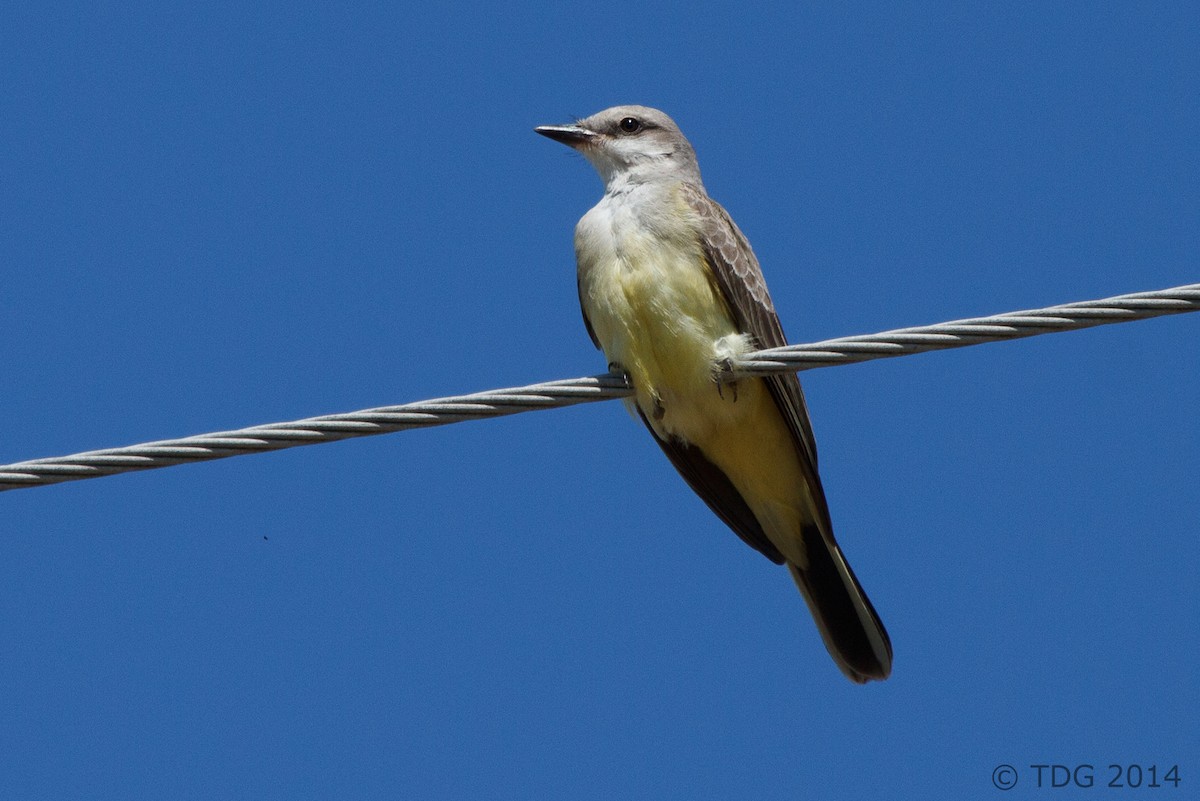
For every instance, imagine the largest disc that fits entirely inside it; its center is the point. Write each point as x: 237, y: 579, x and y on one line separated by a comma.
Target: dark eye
x: 630, y: 125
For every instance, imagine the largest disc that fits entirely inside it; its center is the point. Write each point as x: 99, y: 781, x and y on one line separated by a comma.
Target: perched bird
x: 672, y: 293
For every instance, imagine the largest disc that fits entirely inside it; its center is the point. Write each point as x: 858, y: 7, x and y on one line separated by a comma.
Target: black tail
x: 851, y: 629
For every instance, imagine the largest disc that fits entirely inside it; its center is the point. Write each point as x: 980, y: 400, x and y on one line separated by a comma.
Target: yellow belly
x: 657, y: 313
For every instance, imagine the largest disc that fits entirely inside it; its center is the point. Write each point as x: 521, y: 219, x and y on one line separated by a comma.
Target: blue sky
x: 225, y: 214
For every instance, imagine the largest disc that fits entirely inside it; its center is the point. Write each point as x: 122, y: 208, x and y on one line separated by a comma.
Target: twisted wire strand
x: 569, y: 392
x: 971, y: 331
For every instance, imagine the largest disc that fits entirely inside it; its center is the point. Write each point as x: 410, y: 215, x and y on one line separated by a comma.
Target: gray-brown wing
x: 740, y: 279
x: 583, y: 310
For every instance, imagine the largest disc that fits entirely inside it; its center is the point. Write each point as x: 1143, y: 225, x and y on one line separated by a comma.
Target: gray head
x: 630, y: 145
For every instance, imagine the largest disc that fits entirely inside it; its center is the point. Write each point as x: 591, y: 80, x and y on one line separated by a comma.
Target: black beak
x: 569, y: 135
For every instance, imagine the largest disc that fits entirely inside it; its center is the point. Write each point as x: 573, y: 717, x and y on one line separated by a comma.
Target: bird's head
x: 630, y: 145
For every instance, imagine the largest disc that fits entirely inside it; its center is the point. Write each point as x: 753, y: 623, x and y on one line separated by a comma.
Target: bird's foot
x: 659, y: 411
x: 722, y: 369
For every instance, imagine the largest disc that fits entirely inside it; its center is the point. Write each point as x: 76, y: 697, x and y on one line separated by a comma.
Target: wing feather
x: 744, y: 289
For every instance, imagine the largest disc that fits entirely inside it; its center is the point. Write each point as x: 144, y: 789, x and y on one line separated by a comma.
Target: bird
x: 672, y: 293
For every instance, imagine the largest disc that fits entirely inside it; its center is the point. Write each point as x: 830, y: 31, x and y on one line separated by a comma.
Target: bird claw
x: 724, y: 368
x: 659, y: 411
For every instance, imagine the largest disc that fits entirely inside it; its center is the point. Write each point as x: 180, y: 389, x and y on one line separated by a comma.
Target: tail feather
x: 852, y: 631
